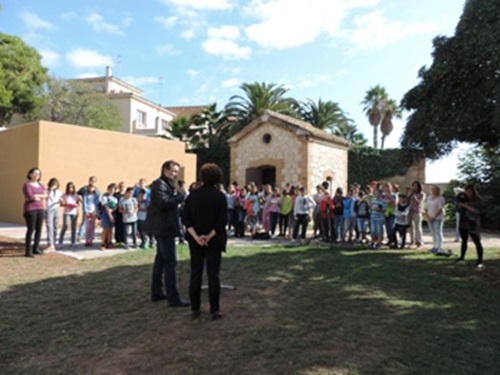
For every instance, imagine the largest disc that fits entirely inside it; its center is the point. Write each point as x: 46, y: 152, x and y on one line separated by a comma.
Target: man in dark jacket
x: 163, y: 222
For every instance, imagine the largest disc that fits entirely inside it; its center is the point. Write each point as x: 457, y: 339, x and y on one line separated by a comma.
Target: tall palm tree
x: 390, y: 109
x: 257, y: 98
x: 212, y: 124
x: 325, y: 115
x: 374, y: 104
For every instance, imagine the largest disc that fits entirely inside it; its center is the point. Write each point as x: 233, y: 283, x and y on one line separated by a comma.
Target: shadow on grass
x: 295, y: 311
x: 11, y: 248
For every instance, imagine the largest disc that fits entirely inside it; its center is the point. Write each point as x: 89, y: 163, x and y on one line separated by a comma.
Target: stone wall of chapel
x: 327, y: 161
x: 284, y: 146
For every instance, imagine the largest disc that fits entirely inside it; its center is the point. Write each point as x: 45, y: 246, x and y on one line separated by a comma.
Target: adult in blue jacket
x: 163, y: 222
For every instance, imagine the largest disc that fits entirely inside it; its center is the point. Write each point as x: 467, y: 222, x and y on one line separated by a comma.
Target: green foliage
x: 218, y: 153
x: 182, y: 129
x: 21, y: 77
x: 481, y: 167
x: 213, y: 146
x: 457, y: 99
x: 206, y: 134
x: 449, y: 197
x: 325, y: 115
x: 74, y: 102
x: 367, y: 164
x: 380, y: 109
x: 258, y: 98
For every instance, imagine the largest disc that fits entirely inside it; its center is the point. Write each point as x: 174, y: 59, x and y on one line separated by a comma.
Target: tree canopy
x: 258, y: 98
x: 458, y: 97
x: 380, y: 110
x: 74, y: 102
x: 21, y: 77
x: 324, y: 114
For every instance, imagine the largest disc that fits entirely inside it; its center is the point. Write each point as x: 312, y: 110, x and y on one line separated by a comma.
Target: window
x: 164, y: 125
x: 266, y: 138
x: 141, y: 119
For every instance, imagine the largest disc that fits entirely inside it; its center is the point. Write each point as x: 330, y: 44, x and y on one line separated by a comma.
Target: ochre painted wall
x: 73, y: 153
x: 19, y: 151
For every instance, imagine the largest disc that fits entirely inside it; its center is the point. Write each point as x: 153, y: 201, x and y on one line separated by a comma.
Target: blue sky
x: 192, y: 52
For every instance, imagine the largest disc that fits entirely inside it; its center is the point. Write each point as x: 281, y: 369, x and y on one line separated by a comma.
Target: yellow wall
x: 18, y: 153
x: 73, y: 153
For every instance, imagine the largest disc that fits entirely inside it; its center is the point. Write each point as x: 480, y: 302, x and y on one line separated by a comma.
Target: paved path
x: 80, y: 252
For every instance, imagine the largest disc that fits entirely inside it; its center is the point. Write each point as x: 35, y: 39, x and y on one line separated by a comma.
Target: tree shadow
x: 11, y: 248
x: 295, y: 311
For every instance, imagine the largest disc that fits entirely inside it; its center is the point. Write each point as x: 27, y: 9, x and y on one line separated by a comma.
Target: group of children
x: 336, y: 217
x: 121, y: 212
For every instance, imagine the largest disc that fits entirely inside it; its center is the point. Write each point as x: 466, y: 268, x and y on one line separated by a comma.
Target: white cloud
x: 201, y: 4
x: 227, y: 49
x: 222, y: 42
x: 311, y: 80
x: 229, y: 83
x: 99, y: 25
x: 142, y: 81
x: 224, y: 32
x: 168, y: 49
x: 373, y: 30
x: 84, y: 58
x: 192, y: 73
x: 188, y: 34
x: 50, y: 59
x: 33, y: 22
x: 167, y: 22
x: 87, y: 75
x: 69, y: 16
x: 291, y: 23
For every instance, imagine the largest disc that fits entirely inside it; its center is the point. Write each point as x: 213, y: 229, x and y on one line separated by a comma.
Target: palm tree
x: 391, y: 109
x: 182, y: 129
x: 350, y: 132
x: 258, y: 98
x: 374, y: 104
x: 211, y: 124
x: 325, y: 115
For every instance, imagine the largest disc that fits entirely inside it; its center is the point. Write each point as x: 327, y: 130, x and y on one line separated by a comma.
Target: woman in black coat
x: 471, y: 208
x: 205, y: 218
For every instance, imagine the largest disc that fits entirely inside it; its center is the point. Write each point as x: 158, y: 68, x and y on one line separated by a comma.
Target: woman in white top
x: 70, y: 202
x: 434, y: 210
x: 52, y: 213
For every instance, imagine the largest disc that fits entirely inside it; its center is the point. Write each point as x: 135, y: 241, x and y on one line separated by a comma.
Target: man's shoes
x: 179, y: 303
x: 38, y: 252
x: 459, y: 260
x: 161, y: 297
x: 195, y: 314
x: 479, y: 265
x: 216, y: 315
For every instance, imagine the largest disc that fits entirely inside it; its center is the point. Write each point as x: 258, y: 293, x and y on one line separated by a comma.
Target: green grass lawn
x: 304, y: 310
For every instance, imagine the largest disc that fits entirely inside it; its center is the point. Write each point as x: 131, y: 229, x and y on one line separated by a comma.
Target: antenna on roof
x: 117, y: 60
x: 161, y: 88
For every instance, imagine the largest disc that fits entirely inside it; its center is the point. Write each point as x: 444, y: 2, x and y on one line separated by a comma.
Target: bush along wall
x: 367, y: 164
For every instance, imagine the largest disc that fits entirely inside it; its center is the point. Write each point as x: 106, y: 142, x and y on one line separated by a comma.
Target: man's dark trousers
x: 165, y: 264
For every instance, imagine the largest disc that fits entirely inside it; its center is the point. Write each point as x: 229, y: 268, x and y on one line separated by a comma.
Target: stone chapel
x: 277, y: 149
